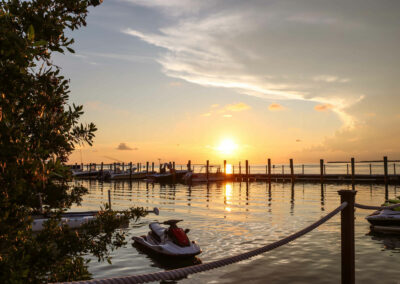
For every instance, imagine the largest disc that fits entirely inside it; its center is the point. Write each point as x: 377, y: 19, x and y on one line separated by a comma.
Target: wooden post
x: 152, y: 167
x: 207, y: 165
x: 352, y: 170
x: 269, y: 170
x: 130, y: 170
x: 123, y: 167
x: 370, y: 169
x: 394, y: 168
x: 291, y: 169
x: 347, y: 166
x: 82, y: 166
x: 247, y: 169
x: 101, y: 168
x: 283, y: 170
x: 189, y: 165
x: 137, y: 167
x: 321, y: 169
x: 225, y: 168
x: 147, y: 167
x: 173, y: 165
x: 240, y: 170
x: 109, y: 199
x: 302, y: 169
x: 347, y: 236
x: 385, y: 168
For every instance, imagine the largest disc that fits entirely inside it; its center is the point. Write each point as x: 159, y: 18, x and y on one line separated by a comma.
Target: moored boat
x: 384, y: 217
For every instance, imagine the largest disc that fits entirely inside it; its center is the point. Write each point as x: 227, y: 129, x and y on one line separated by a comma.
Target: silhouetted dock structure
x: 270, y: 173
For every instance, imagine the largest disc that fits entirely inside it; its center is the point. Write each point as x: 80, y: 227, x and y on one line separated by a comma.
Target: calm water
x: 230, y: 218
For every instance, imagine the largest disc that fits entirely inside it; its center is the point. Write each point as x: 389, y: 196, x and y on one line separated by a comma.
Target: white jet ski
x: 169, y: 242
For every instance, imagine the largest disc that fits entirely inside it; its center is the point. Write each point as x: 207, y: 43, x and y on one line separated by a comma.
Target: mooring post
x: 269, y: 170
x: 283, y: 170
x: 370, y: 169
x: 130, y: 170
x: 109, y: 199
x: 247, y: 169
x: 385, y: 168
x: 394, y: 168
x: 173, y: 165
x: 123, y: 167
x: 291, y: 170
x: 225, y: 168
x: 101, y: 169
x: 152, y: 167
x: 321, y: 169
x: 347, y: 167
x: 189, y: 165
x: 137, y: 168
x: 240, y: 170
x: 347, y: 236
x: 207, y: 170
x: 115, y: 167
x: 302, y: 169
x: 147, y: 167
x: 82, y: 166
x: 352, y: 171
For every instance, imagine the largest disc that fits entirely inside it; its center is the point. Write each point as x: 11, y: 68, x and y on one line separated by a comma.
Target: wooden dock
x: 242, y: 173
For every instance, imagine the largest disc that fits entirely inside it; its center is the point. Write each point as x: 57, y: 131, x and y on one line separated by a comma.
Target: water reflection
x: 230, y: 218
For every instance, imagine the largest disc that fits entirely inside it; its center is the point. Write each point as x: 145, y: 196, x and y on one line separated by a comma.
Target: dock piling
x: 225, y: 168
x: 347, y: 236
x: 269, y: 169
x: 147, y: 167
x: 353, y: 171
x: 385, y: 168
x: 321, y: 169
x: 207, y: 169
x: 247, y: 169
x: 291, y: 170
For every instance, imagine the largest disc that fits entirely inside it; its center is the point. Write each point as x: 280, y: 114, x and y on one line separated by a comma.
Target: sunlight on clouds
x: 276, y: 107
x: 238, y: 107
x: 324, y: 107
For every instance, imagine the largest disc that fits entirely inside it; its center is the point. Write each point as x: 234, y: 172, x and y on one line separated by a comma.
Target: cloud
x: 206, y: 114
x: 227, y: 115
x: 276, y: 107
x: 175, y: 84
x: 208, y: 44
x: 122, y: 146
x: 323, y: 107
x: 238, y: 107
x: 298, y: 140
x: 330, y: 79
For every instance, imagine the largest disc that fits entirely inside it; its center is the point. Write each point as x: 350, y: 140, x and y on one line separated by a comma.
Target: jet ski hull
x: 167, y: 250
x: 384, y: 218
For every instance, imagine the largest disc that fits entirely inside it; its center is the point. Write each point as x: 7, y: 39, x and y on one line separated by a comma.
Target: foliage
x: 38, y: 131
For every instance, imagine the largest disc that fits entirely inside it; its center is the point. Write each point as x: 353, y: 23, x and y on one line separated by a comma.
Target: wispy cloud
x: 124, y: 147
x: 211, y: 49
x: 227, y: 115
x: 276, y: 107
x: 323, y: 107
x: 238, y: 107
x: 330, y: 79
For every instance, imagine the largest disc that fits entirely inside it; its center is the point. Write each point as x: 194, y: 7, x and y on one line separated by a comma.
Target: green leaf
x: 31, y: 33
x: 70, y: 50
x: 40, y: 43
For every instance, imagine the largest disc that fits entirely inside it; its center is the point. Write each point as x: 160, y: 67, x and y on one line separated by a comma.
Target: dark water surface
x: 231, y: 218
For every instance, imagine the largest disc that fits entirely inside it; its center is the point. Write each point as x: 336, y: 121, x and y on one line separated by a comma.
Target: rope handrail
x: 185, y: 271
x: 368, y: 207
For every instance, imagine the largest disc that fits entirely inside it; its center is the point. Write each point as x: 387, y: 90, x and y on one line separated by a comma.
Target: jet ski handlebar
x: 172, y: 222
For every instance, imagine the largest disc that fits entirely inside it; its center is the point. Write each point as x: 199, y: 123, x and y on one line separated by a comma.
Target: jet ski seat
x: 157, y: 230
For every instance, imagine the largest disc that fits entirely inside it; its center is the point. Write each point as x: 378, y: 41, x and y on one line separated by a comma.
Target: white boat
x: 191, y: 177
x: 73, y: 220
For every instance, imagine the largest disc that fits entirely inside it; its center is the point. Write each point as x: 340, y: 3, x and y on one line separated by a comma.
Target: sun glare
x: 227, y: 147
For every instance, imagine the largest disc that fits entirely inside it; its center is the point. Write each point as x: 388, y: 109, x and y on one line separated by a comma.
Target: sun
x: 227, y: 147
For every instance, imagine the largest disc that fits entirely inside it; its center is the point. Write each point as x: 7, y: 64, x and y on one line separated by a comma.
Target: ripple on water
x: 228, y: 219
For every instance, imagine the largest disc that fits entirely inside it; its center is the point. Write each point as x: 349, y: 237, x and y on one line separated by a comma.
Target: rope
x: 361, y: 206
x: 185, y: 271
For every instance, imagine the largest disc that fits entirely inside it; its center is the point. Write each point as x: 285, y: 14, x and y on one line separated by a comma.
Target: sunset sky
x: 235, y: 80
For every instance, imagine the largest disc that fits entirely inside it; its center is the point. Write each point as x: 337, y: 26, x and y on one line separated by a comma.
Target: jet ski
x: 168, y: 242
x: 384, y: 217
